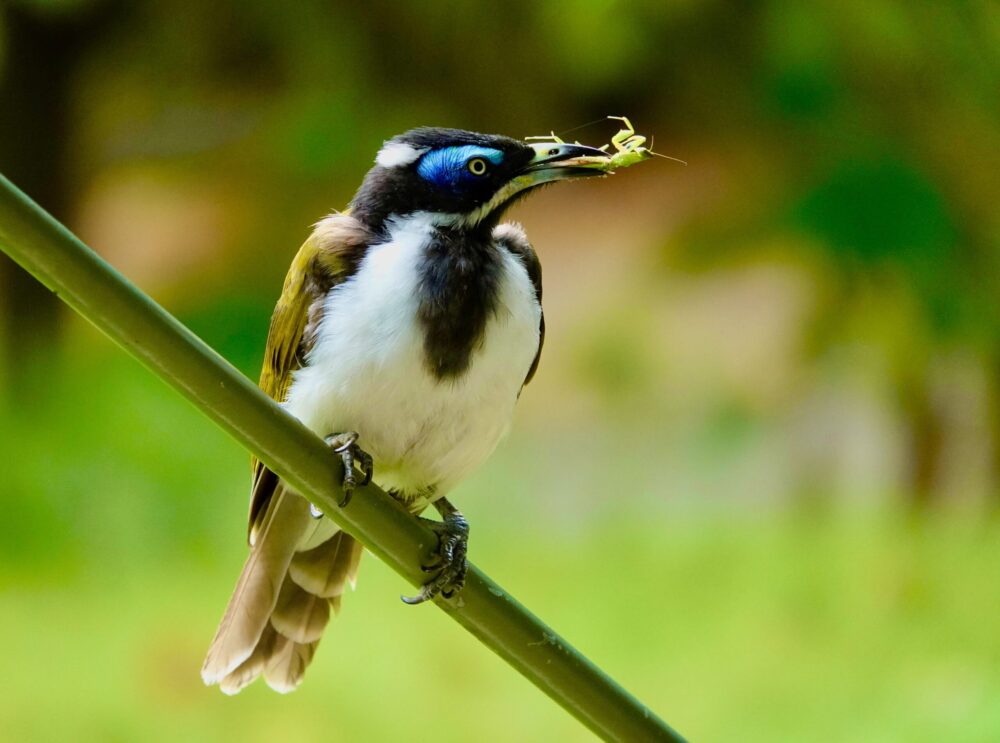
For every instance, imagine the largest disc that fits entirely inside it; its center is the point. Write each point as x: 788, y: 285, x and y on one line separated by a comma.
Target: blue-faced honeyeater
x: 405, y: 331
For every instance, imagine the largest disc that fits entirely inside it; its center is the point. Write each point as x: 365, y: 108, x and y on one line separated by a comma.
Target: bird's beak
x: 560, y: 162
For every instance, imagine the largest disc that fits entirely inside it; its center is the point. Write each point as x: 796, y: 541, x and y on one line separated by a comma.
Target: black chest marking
x: 459, y: 282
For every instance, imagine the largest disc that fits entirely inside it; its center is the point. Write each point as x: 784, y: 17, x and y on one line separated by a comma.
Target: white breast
x: 367, y: 371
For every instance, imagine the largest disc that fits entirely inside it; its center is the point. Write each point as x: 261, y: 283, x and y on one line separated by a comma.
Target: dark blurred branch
x: 94, y: 289
x: 43, y: 49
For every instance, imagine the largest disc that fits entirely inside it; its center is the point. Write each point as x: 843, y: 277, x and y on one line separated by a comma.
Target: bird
x: 406, y: 328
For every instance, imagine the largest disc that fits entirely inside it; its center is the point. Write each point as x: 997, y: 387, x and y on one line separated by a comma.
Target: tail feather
x: 288, y: 663
x: 299, y: 615
x: 257, y: 589
x: 253, y: 666
x: 325, y: 569
x: 282, y: 601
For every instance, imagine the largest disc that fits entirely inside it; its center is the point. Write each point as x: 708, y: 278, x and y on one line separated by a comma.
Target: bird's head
x: 461, y: 179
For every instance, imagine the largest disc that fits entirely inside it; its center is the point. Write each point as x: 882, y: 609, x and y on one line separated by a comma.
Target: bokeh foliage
x: 757, y: 475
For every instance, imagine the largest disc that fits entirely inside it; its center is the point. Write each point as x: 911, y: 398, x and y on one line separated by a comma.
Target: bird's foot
x: 449, y: 561
x: 345, y: 444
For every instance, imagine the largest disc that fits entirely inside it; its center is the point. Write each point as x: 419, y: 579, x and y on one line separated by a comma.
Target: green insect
x: 629, y: 149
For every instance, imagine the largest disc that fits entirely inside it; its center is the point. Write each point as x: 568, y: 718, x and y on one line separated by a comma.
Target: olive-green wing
x: 328, y: 257
x: 512, y: 237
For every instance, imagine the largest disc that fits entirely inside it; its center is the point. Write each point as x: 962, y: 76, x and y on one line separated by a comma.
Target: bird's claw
x: 449, y: 560
x: 345, y: 444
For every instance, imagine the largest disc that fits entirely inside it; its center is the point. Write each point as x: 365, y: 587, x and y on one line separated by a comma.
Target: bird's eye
x: 477, y: 166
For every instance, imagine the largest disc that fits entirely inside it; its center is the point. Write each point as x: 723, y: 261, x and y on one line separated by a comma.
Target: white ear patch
x: 397, y: 154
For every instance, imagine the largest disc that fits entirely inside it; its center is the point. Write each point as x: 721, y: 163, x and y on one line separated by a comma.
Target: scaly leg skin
x: 450, y: 562
x: 345, y: 444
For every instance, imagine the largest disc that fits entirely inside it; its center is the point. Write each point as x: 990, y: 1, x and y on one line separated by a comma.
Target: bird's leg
x: 449, y: 561
x: 345, y: 444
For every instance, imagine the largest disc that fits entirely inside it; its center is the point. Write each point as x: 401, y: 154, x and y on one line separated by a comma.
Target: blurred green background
x: 756, y: 478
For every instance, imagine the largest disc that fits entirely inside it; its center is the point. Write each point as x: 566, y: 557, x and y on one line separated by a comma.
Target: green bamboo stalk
x: 93, y: 288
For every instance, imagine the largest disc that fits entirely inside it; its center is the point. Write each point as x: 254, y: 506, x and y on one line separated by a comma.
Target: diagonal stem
x: 93, y: 288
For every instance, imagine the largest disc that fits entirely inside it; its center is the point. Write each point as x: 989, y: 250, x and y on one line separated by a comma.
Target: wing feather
x: 512, y: 237
x: 328, y: 257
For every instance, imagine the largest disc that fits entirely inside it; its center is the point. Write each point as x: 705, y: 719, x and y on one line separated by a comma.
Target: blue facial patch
x: 448, y: 167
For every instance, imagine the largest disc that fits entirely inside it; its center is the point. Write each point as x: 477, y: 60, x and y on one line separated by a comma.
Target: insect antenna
x: 555, y: 137
x: 665, y: 157
x: 581, y: 126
